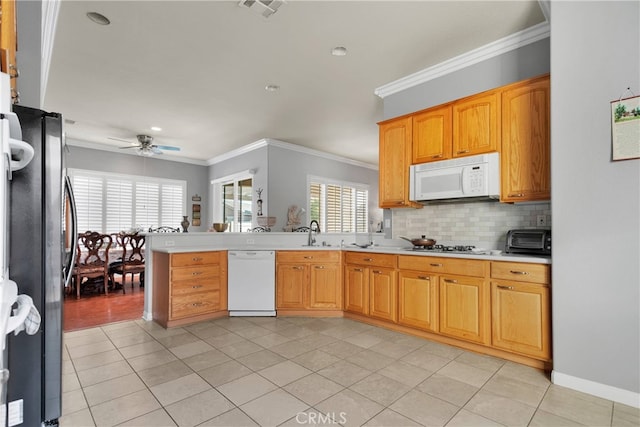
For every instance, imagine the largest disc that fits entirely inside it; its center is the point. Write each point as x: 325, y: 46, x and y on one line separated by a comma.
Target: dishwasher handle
x: 252, y: 254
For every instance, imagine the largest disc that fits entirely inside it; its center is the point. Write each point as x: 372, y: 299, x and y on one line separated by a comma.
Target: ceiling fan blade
x: 167, y: 147
x: 132, y: 146
x: 122, y: 140
x: 155, y: 150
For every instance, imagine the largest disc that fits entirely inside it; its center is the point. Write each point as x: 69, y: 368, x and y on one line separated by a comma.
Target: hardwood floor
x: 97, y: 309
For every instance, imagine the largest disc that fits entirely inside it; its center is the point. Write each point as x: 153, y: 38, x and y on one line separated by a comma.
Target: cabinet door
x: 325, y: 289
x: 432, y: 135
x: 418, y: 300
x: 291, y: 282
x: 356, y: 289
x: 8, y: 43
x: 525, y: 159
x: 475, y: 124
x: 464, y: 308
x: 383, y: 294
x: 520, y: 319
x: 394, y: 158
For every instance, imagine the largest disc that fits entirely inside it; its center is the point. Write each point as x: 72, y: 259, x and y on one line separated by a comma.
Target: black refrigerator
x: 39, y: 264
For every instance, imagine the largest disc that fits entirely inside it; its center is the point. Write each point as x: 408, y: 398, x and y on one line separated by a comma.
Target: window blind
x: 338, y: 207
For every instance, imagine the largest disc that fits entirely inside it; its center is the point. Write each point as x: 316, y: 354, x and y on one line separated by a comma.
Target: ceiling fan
x: 146, y: 147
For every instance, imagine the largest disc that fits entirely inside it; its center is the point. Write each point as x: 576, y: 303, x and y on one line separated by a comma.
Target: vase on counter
x: 185, y: 223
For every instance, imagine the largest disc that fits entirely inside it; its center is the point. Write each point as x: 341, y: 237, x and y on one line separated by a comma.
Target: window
x: 339, y: 207
x: 110, y: 203
x: 233, y: 201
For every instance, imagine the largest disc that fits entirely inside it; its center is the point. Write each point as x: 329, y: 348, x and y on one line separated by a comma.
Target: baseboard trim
x: 604, y: 391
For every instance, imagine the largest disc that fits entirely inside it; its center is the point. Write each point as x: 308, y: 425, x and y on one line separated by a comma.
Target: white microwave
x: 466, y: 177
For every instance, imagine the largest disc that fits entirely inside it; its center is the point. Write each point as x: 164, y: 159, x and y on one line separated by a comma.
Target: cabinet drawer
x: 194, y: 258
x: 379, y: 260
x: 521, y: 272
x: 195, y: 273
x: 308, y: 256
x: 187, y: 287
x: 459, y: 266
x: 194, y: 304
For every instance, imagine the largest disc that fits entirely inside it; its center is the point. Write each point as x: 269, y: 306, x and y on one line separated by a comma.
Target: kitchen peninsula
x: 492, y: 304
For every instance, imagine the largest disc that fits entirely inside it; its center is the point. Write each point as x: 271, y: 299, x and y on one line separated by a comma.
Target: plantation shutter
x: 88, y: 195
x: 147, y: 205
x: 338, y: 207
x: 171, y: 210
x: 119, y: 206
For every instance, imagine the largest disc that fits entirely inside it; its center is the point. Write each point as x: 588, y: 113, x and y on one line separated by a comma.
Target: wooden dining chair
x: 132, y: 260
x: 92, y: 261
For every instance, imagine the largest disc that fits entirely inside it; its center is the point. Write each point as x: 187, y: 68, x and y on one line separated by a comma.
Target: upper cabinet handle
x: 516, y: 195
x: 437, y: 156
x: 508, y: 288
x: 424, y: 278
x: 462, y: 151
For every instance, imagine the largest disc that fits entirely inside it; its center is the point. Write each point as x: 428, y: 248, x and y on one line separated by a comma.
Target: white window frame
x: 355, y: 185
x: 216, y: 197
x: 135, y: 179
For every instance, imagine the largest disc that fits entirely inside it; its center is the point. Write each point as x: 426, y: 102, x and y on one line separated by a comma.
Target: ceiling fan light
x: 98, y: 18
x: 339, y: 51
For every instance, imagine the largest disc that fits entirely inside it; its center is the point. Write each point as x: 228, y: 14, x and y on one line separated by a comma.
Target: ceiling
x: 199, y: 69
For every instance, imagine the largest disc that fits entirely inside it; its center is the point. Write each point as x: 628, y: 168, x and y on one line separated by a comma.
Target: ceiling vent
x: 265, y: 8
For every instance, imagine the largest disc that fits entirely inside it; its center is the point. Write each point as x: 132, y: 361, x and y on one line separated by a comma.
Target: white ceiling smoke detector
x: 265, y: 8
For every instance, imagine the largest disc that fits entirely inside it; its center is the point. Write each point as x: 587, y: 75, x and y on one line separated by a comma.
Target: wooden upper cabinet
x: 395, y: 158
x: 8, y: 42
x: 432, y: 135
x: 476, y: 124
x: 525, y: 159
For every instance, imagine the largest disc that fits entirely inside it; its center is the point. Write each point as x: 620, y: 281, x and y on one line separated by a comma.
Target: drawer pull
x: 434, y: 264
x: 196, y: 286
x: 297, y: 267
x: 359, y: 270
x: 320, y: 267
x: 437, y: 156
x: 377, y: 272
x: 521, y: 273
x: 450, y: 281
x: 308, y: 257
x: 508, y: 288
x: 196, y: 304
x: 196, y: 273
x: 368, y: 259
x: 462, y: 151
x: 516, y: 195
x: 424, y: 278
x: 196, y: 259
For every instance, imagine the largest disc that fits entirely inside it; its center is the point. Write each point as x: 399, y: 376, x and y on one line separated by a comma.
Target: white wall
x: 595, y: 56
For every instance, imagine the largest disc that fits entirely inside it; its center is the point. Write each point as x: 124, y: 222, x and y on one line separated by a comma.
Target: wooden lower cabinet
x: 308, y: 280
x: 520, y: 302
x: 465, y: 308
x: 189, y: 287
x: 356, y: 289
x: 418, y: 300
x: 383, y: 294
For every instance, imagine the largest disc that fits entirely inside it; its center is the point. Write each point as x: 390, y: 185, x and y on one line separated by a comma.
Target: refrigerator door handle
x: 68, y: 269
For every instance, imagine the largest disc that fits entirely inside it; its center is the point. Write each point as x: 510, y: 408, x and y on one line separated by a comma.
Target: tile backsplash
x: 482, y: 224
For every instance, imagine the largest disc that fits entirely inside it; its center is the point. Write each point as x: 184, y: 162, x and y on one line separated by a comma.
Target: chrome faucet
x: 312, y: 238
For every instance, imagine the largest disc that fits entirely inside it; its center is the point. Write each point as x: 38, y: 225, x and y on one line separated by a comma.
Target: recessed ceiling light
x: 156, y: 128
x: 271, y: 88
x: 339, y: 51
x: 98, y: 18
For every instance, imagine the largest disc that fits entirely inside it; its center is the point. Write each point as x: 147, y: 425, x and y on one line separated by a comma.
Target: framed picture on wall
x: 625, y: 128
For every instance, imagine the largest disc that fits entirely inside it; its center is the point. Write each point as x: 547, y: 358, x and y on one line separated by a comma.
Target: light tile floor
x: 304, y: 371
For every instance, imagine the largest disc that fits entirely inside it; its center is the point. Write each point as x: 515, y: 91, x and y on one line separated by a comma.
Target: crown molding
x: 105, y: 147
x: 491, y: 50
x: 50, y: 11
x: 268, y: 142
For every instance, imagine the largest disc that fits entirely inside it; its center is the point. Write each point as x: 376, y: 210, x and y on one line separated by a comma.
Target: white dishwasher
x: 252, y: 283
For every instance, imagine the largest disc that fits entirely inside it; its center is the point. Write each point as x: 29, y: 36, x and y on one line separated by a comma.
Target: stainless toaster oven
x: 533, y: 242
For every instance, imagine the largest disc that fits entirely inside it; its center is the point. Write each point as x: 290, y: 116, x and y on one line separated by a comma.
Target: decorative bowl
x: 220, y: 226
